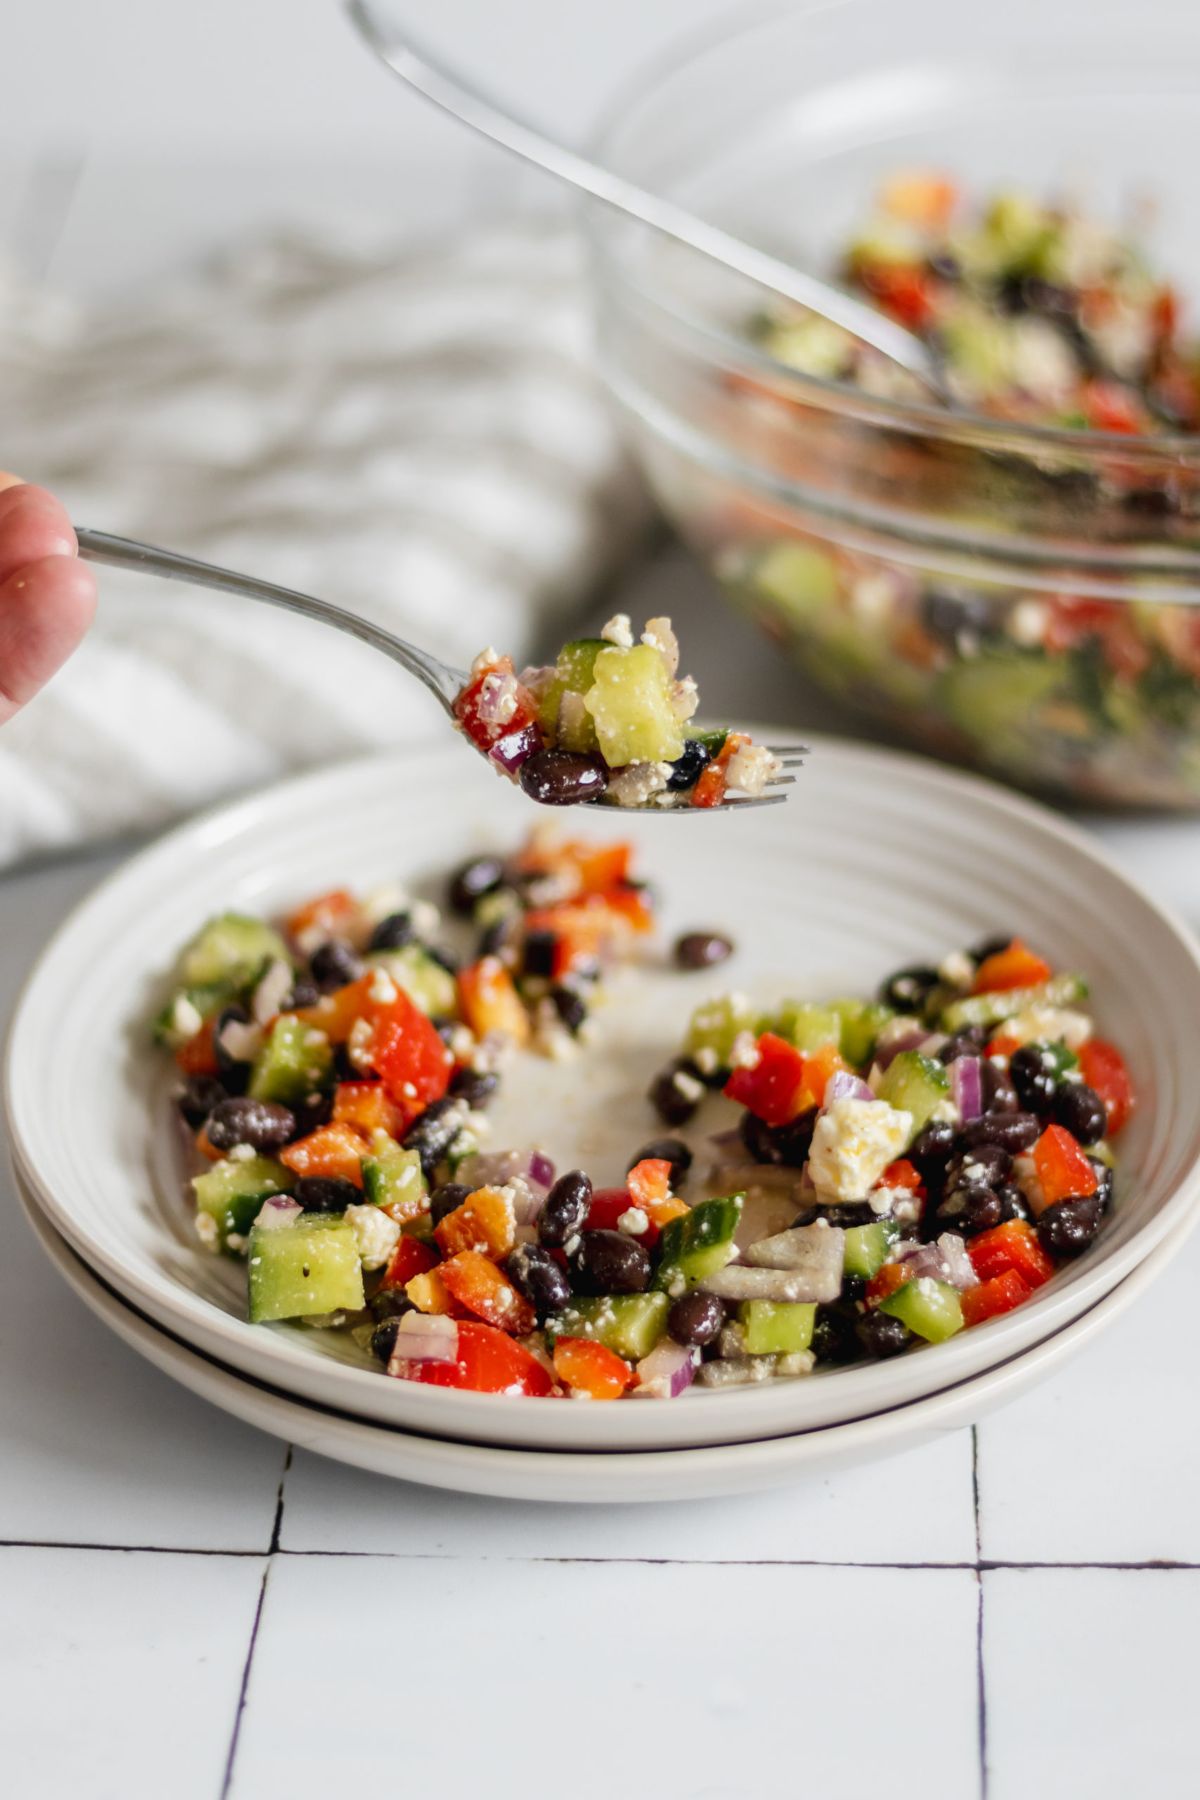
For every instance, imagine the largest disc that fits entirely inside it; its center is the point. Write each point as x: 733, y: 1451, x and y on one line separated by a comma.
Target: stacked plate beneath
x: 877, y: 861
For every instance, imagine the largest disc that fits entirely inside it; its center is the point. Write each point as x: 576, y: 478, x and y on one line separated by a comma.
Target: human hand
x: 47, y: 596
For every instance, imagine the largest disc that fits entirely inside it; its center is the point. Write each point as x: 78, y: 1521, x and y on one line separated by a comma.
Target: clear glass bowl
x: 1024, y: 599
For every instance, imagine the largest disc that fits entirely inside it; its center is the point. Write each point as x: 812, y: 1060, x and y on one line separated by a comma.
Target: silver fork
x: 443, y: 682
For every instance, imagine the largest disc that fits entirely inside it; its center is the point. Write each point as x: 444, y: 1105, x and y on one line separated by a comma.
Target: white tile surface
x: 120, y: 1673
x: 1102, y: 1464
x: 1091, y: 1682
x: 911, y: 1509
x: 558, y: 1679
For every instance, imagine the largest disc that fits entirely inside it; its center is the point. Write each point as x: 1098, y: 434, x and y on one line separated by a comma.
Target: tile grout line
x: 244, y: 1689
x: 980, y: 1674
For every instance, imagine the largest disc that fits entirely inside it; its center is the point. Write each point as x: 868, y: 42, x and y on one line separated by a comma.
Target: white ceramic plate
x: 573, y: 1476
x: 877, y: 860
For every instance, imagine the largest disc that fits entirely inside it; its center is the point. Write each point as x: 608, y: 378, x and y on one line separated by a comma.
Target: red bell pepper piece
x: 1063, y: 1170
x: 1103, y: 1068
x: 605, y: 1208
x: 990, y: 1298
x: 772, y: 1089
x: 591, y: 1368
x: 476, y: 1283
x: 902, y: 1174
x: 488, y: 1362
x: 710, y: 789
x: 332, y: 1151
x: 199, y: 1055
x: 328, y: 915
x: 471, y: 706
x: 884, y: 1283
x: 1013, y: 1245
x: 410, y: 1257
x: 1017, y: 966
x: 649, y: 1180
x: 407, y: 1053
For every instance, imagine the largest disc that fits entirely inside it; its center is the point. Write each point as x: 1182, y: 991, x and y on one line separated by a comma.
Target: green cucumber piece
x: 305, y: 1269
x: 993, y: 1009
x: 716, y: 1024
x: 574, y: 673
x: 629, y: 1324
x: 931, y: 1309
x: 392, y: 1176
x: 698, y: 1244
x: 797, y: 577
x: 806, y: 1025
x: 632, y: 705
x: 914, y: 1084
x: 862, y: 1022
x: 231, y: 948
x: 433, y: 988
x: 175, y: 1025
x: 295, y: 1061
x: 866, y: 1247
x: 776, y: 1327
x: 232, y: 1193
x: 991, y: 697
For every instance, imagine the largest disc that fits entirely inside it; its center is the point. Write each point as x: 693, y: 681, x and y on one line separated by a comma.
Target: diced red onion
x: 664, y: 1374
x: 898, y: 1035
x: 495, y: 1168
x: 496, y: 697
x: 242, y: 1042
x: 960, y: 1270
x: 845, y: 1085
x: 925, y: 1260
x: 423, y: 1337
x: 736, y: 1281
x: 527, y: 1200
x: 813, y: 1253
x: 966, y: 1084
x: 515, y: 747
x: 279, y: 1210
x: 271, y: 991
x: 541, y: 1170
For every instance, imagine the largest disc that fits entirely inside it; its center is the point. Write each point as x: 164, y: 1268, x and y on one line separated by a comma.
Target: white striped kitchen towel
x: 418, y: 437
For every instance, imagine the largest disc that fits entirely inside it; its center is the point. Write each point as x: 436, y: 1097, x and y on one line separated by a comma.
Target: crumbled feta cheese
x: 957, y: 970
x: 745, y: 1053
x: 638, y: 782
x: 496, y: 700
x: 618, y: 631
x: 242, y: 1153
x: 685, y: 698
x: 375, y: 1233
x: 883, y: 1200
x: 705, y: 1060
x: 946, y: 1112
x: 359, y: 1043
x: 484, y: 660
x: 660, y: 636
x: 185, y: 1017
x: 1027, y: 623
x: 750, y: 768
x: 853, y: 1143
x: 1046, y: 1024
x: 382, y: 989
x: 872, y: 597
x: 572, y: 714
x: 206, y: 1230
x: 1042, y: 361
x: 425, y: 917
x: 235, y: 1241
x: 633, y: 1221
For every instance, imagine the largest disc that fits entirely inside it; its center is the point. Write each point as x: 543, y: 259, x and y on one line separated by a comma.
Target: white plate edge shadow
x: 626, y: 1477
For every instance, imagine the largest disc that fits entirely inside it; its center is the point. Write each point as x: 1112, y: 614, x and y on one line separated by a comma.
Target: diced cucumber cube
x: 574, y: 673
x: 715, y: 1025
x: 867, y: 1246
x: 423, y: 980
x: 187, y: 1009
x: 698, y: 1244
x: 862, y: 1022
x: 914, y: 1084
x: 231, y: 1193
x: 776, y: 1327
x: 798, y: 577
x: 629, y: 1324
x: 931, y: 1309
x: 392, y: 1177
x: 232, y: 948
x: 295, y: 1061
x: 305, y: 1269
x: 631, y: 703
x: 806, y: 1025
x: 993, y: 1009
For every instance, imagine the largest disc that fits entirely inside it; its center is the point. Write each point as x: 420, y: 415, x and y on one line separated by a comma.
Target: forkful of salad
x: 607, y: 723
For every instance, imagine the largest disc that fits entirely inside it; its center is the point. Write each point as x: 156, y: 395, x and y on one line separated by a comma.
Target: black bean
x: 612, y: 1263
x: 325, y: 1194
x: 1104, y: 1182
x: 1034, y: 1076
x: 1069, y: 1226
x: 535, y: 1272
x: 433, y: 1132
x: 383, y: 1340
x: 908, y: 989
x: 302, y: 993
x: 475, y: 1086
x: 846, y: 1212
x: 1081, y: 1111
x: 483, y: 875
x: 882, y: 1335
x: 982, y: 1165
x: 834, y: 1338
x: 393, y: 932
x: 1012, y: 1202
x: 565, y: 1209
x: 970, y: 1209
x: 200, y: 1094
x: 933, y: 1143
x: 538, y: 952
x: 234, y: 1073
x: 950, y: 614
x: 695, y: 1319
x: 701, y: 949
x: 334, y: 965
x: 967, y: 1042
x: 390, y: 1303
x: 314, y: 1112
x: 668, y: 1149
x: 570, y: 1007
x: 687, y: 769
x: 999, y: 1094
x: 263, y: 1124
x: 1012, y: 1131
x: 563, y: 777
x: 672, y: 1092
x: 784, y: 1146
x: 989, y: 946
x: 446, y: 1199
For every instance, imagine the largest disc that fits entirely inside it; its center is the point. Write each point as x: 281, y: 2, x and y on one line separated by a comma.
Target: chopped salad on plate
x: 873, y: 1174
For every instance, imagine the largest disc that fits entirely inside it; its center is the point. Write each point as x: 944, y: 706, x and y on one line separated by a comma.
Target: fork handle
x: 149, y: 559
